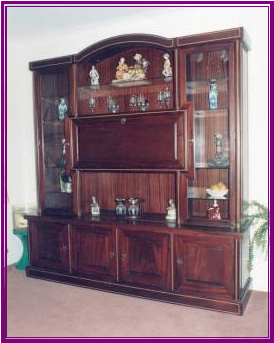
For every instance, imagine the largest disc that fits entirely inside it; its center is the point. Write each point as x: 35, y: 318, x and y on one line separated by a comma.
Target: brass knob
x: 123, y: 120
x: 179, y: 261
x: 191, y: 141
x: 123, y: 256
x: 64, y: 248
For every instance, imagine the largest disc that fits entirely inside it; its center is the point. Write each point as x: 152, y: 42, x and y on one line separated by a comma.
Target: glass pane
x: 157, y: 94
x: 207, y: 89
x: 54, y: 109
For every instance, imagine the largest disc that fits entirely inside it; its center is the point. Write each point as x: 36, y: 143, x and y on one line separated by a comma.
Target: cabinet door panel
x: 94, y: 252
x: 49, y: 245
x: 204, y: 265
x: 145, y: 259
x: 149, y: 141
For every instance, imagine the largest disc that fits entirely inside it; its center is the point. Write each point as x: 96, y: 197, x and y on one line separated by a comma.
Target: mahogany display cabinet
x: 179, y: 147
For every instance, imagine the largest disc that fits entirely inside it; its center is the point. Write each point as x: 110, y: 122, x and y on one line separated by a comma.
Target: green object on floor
x: 24, y: 260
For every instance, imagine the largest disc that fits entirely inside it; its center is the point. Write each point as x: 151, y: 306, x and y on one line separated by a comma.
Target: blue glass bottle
x: 213, y: 95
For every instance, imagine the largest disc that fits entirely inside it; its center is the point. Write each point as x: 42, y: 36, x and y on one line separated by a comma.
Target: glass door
x: 207, y: 87
x: 55, y: 179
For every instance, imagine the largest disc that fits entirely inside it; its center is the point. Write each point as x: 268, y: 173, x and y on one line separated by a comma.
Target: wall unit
x: 156, y: 150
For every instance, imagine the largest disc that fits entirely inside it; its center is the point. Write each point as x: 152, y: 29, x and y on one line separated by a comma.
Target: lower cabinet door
x: 49, y: 245
x: 94, y: 252
x: 145, y: 259
x: 204, y: 265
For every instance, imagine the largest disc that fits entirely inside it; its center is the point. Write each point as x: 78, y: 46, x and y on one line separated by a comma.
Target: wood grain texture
x: 142, y: 141
x: 155, y: 188
x: 94, y: 252
x: 49, y: 245
x: 145, y: 258
x: 204, y: 265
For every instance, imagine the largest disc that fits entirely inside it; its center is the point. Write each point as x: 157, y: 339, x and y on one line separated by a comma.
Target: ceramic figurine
x: 167, y: 71
x: 94, y: 208
x: 220, y: 159
x: 121, y: 69
x: 121, y: 207
x: 65, y: 182
x: 214, y: 212
x: 171, y: 211
x: 213, y: 94
x: 94, y: 77
x: 136, y: 72
x: 62, y: 109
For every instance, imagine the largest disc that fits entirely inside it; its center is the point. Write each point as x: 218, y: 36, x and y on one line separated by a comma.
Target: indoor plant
x: 256, y: 217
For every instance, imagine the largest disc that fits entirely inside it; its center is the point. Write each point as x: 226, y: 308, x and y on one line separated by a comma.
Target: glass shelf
x: 122, y: 96
x: 118, y: 86
x: 57, y: 123
x: 208, y: 113
x: 205, y: 166
x: 194, y: 87
x: 200, y: 193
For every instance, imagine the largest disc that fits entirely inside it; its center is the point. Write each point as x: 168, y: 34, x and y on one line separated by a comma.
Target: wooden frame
x: 193, y: 261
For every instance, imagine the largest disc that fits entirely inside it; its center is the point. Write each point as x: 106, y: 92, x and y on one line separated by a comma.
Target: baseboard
x: 229, y: 306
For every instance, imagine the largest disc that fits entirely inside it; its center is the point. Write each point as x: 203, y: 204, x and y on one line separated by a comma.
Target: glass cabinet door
x: 56, y: 180
x: 207, y: 87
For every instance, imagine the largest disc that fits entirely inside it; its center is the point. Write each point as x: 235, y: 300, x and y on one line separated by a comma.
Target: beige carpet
x: 39, y: 308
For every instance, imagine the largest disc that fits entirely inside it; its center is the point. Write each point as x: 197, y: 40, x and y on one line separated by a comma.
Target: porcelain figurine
x: 121, y: 69
x: 167, y: 71
x: 214, y: 212
x: 220, y: 159
x: 94, y: 208
x: 62, y: 109
x: 136, y: 72
x: 213, y: 94
x: 171, y: 211
x: 94, y: 77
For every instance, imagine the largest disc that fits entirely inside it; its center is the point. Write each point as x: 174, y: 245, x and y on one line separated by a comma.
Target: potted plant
x: 256, y: 216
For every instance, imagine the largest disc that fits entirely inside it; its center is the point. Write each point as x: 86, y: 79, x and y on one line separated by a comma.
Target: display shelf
x: 54, y: 123
x: 207, y: 113
x: 204, y: 165
x: 130, y: 87
x: 200, y: 193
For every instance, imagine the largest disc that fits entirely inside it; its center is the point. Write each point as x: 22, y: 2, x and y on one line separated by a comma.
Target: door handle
x: 64, y: 248
x: 111, y: 255
x: 123, y: 256
x: 191, y: 141
x: 179, y: 261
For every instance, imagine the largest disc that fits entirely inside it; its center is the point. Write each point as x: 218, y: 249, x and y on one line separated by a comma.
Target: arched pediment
x: 118, y: 43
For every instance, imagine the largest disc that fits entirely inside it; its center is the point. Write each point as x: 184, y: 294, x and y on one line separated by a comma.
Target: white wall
x: 166, y: 22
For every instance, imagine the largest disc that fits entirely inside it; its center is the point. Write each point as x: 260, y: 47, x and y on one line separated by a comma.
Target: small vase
x: 213, y: 95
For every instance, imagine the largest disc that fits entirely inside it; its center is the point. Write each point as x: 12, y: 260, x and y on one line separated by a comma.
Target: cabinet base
x: 235, y: 307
